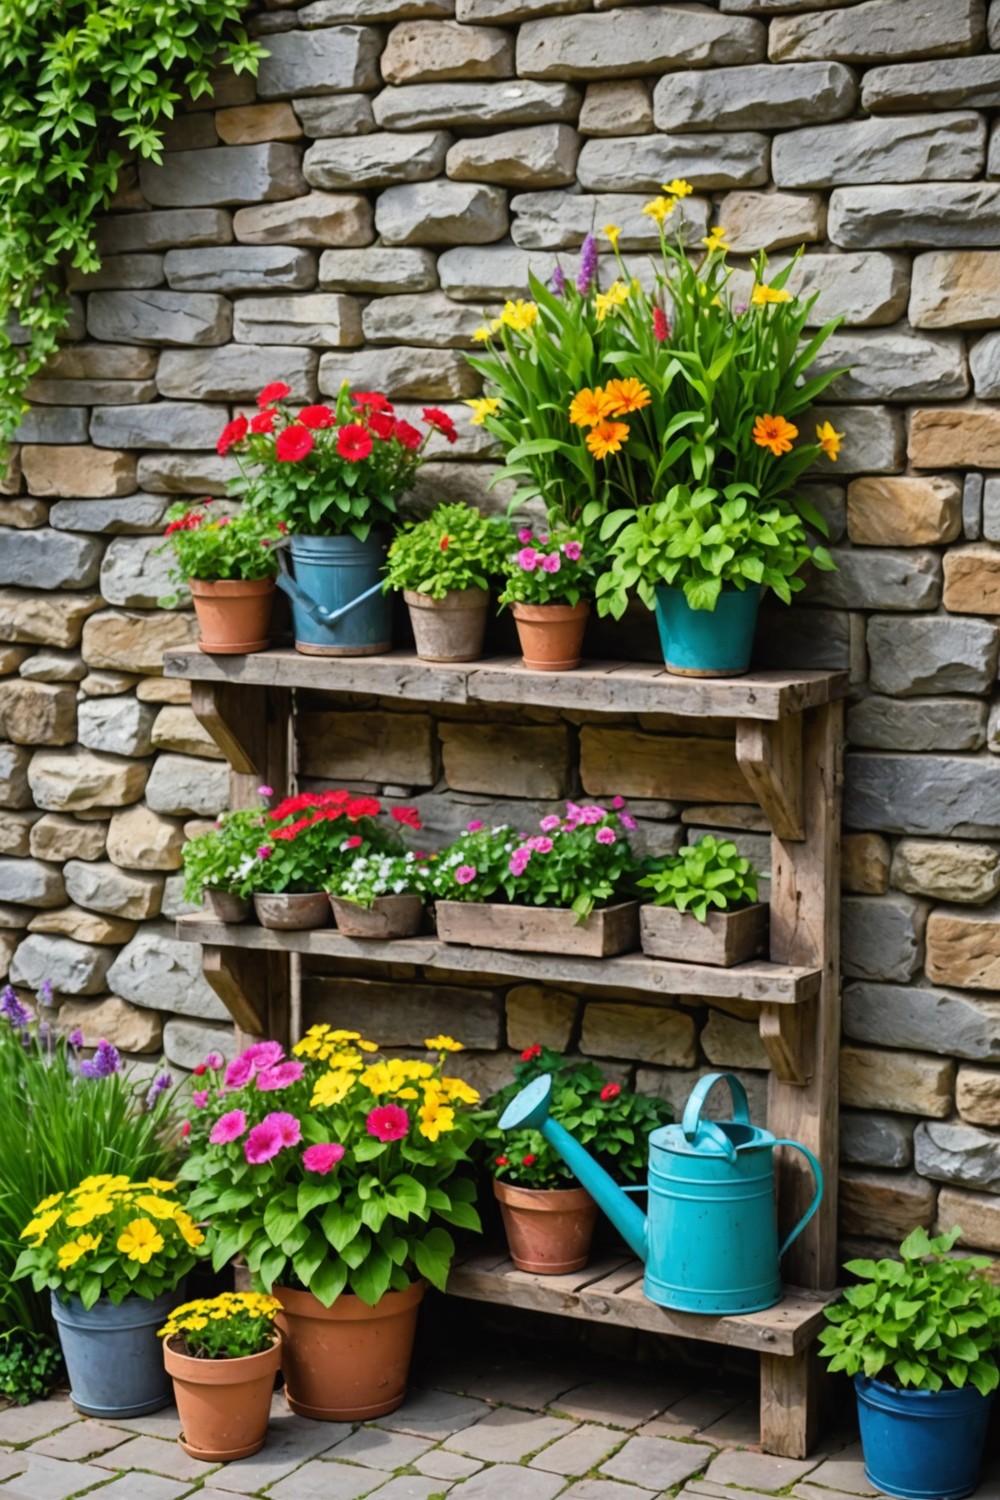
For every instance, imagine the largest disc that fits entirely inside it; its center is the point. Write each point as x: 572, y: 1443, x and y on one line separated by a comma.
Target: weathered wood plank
x: 770, y: 757
x: 678, y: 767
x: 789, y: 1406
x: 240, y: 981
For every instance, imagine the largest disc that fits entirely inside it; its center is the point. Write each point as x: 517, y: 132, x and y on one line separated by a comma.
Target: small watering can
x: 710, y: 1239
x: 338, y: 606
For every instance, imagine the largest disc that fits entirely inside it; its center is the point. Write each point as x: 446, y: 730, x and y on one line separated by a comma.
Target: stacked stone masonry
x: 399, y: 168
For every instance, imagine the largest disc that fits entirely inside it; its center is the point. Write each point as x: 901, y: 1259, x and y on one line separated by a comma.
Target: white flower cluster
x: 372, y: 875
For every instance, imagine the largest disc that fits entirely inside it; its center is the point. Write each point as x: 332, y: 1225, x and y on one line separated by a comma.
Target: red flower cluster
x: 408, y: 816
x: 189, y: 522
x: 354, y: 440
x: 610, y: 1091
x: 435, y: 417
x: 326, y: 805
x: 661, y: 325
x: 530, y: 1053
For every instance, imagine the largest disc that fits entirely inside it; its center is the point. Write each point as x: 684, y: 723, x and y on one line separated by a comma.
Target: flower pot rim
x: 190, y: 1366
x: 550, y: 610
x: 347, y: 1305
x: 475, y: 597
x: 571, y: 1196
x: 913, y: 1394
x: 232, y: 585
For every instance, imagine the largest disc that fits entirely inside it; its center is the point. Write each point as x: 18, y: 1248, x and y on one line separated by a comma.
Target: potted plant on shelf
x: 337, y: 1175
x: 379, y: 895
x: 331, y: 475
x: 548, y: 585
x: 918, y: 1335
x: 217, y: 863
x: 704, y: 905
x: 444, y: 566
x: 222, y: 1354
x: 552, y: 892
x: 228, y: 564
x: 112, y: 1254
x: 548, y: 1218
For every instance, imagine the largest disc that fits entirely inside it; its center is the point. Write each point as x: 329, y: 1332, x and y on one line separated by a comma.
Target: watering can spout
x: 530, y: 1111
x: 316, y: 611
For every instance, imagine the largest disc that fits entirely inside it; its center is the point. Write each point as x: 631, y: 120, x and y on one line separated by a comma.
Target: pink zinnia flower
x: 322, y: 1158
x: 605, y: 836
x: 239, y: 1072
x: 617, y: 803
x: 627, y: 821
x: 262, y: 1143
x: 199, y: 1098
x: 474, y: 826
x: 574, y: 551
x: 524, y: 535
x: 465, y: 873
x: 389, y: 1122
x: 552, y: 563
x: 540, y: 844
x: 228, y: 1128
x: 551, y: 823
x: 573, y: 814
x: 280, y: 1076
x: 264, y: 1054
x: 288, y: 1128
x: 592, y: 813
x: 528, y: 559
x: 214, y: 1061
x: 519, y: 861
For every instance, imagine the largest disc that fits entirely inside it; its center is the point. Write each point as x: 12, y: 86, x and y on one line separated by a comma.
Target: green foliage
x: 84, y: 86
x: 708, y: 873
x: 222, y: 858
x: 369, y: 876
x: 609, y: 1119
x: 928, y: 1321
x: 209, y: 546
x: 30, y: 1365
x: 456, y: 547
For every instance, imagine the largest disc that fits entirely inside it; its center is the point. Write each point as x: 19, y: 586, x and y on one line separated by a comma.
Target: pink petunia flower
x: 540, y: 844
x: 465, y: 873
x: 474, y: 826
x: 228, y: 1127
x: 199, y: 1098
x: 239, y: 1072
x: 519, y: 861
x: 574, y: 551
x: 264, y: 1054
x: 280, y: 1076
x: 605, y: 836
x: 262, y: 1143
x: 287, y: 1126
x: 573, y: 814
x: 265, y: 851
x: 389, y: 1122
x: 550, y: 823
x: 322, y: 1158
x: 552, y: 563
x: 527, y: 559
x: 618, y: 803
x: 592, y: 813
x: 214, y: 1061
x: 524, y: 535
x: 627, y: 821
x: 266, y: 791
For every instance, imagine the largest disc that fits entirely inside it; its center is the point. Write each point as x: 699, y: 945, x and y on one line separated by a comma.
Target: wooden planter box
x: 724, y: 938
x: 540, y: 929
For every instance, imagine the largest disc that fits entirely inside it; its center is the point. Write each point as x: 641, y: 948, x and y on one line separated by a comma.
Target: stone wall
x: 397, y: 170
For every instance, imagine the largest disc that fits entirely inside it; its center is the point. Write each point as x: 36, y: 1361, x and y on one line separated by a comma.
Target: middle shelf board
x: 758, y: 980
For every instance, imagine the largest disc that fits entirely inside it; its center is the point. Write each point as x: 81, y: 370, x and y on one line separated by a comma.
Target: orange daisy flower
x: 589, y: 407
x: 628, y: 395
x: 607, y: 437
x: 774, y: 433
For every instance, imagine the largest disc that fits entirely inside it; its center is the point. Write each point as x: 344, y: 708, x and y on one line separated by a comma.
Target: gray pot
x: 449, y: 629
x: 387, y: 917
x: 113, y: 1355
x: 224, y: 906
x: 292, y: 910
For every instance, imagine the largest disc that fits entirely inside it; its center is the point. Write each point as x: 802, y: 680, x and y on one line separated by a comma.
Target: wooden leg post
x: 789, y: 1411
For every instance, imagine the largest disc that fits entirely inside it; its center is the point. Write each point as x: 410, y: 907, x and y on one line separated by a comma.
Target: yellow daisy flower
x: 443, y: 1044
x: 715, y: 239
x: 332, y: 1088
x: 762, y: 295
x: 140, y: 1240
x: 519, y: 315
x: 68, y: 1255
x: 829, y: 440
x: 660, y: 208
x: 589, y: 407
x: 436, y: 1117
x: 40, y: 1226
x: 615, y: 296
x: 483, y: 407
x: 678, y: 188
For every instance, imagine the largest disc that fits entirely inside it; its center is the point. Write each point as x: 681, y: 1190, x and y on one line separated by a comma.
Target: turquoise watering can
x: 710, y: 1238
x: 338, y: 604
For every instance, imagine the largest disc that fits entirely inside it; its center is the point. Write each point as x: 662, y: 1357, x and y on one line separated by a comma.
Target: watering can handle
x: 817, y: 1172
x: 316, y: 611
x: 692, y: 1122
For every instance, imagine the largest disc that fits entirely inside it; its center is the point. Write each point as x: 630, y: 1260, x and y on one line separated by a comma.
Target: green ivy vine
x: 84, y: 85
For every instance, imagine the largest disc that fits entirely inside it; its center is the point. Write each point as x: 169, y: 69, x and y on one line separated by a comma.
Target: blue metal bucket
x: 707, y: 642
x: 113, y: 1355
x: 338, y: 607
x: 922, y: 1445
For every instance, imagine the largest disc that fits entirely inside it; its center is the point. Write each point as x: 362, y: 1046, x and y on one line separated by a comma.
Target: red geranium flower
x: 529, y: 1160
x: 530, y: 1053
x: 276, y: 391
x: 371, y: 401
x: 293, y: 444
x: 316, y: 417
x: 233, y: 432
x: 263, y: 421
x: 354, y: 841
x: 409, y: 816
x: 444, y: 543
x: 610, y: 1091
x: 407, y: 435
x: 441, y: 420
x: 502, y: 1161
x: 363, y: 807
x: 354, y: 442
x: 381, y: 424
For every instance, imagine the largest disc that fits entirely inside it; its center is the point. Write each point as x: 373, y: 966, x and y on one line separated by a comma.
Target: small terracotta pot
x: 387, y: 917
x: 548, y: 1229
x: 348, y: 1362
x: 292, y: 910
x: 449, y: 629
x: 224, y: 906
x: 234, y: 614
x: 223, y: 1404
x: 551, y: 635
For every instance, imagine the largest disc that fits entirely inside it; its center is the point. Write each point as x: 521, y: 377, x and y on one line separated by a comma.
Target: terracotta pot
x: 449, y: 629
x: 224, y: 1404
x: 348, y: 1362
x: 387, y: 917
x: 548, y: 1229
x: 551, y: 635
x: 224, y: 906
x: 292, y: 909
x: 234, y: 614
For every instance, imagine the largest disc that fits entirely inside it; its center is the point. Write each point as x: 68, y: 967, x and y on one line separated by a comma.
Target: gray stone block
x: 240, y: 269
x: 318, y: 320
x: 401, y: 373
x: 71, y: 968
x: 31, y: 882
x: 424, y: 51
x: 754, y: 98
x: 378, y: 270
x: 157, y: 971
x: 943, y: 146
x: 536, y: 156
x: 118, y: 273
x: 100, y: 886
x: 984, y: 361
x: 335, y: 60
x: 491, y: 271
x: 90, y: 393
x: 376, y: 160
x: 428, y: 106
x: 865, y: 290
x: 335, y: 114
x: 183, y: 785
x: 874, y: 440
x: 54, y: 666
x: 441, y: 213
x: 882, y: 936
x: 236, y: 372
x: 893, y: 214
x: 875, y: 1140
x: 52, y: 424
x: 159, y: 317
x: 896, y: 365
x: 329, y: 12
x: 958, y: 83
x: 872, y: 578
x: 510, y: 12
x: 973, y: 510
x: 186, y: 1044
x: 136, y: 572
x: 826, y: 638
x: 126, y: 234
x: 119, y: 725
x: 952, y: 795
x: 957, y: 1153
x: 562, y: 220
x: 917, y: 724
x: 642, y: 162
x: 651, y: 40
x: 176, y: 424
x: 878, y: 30
x: 932, y: 654
x: 224, y: 176
x: 315, y: 219
x: 431, y: 319
x: 946, y: 1022
x: 48, y: 559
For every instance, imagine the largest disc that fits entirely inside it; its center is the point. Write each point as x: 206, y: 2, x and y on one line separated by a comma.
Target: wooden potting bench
x: 788, y: 745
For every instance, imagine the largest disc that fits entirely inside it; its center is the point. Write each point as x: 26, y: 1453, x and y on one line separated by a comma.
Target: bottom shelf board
x: 610, y: 1291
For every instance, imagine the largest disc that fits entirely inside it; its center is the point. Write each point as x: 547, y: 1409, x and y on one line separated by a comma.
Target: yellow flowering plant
x: 335, y: 1169
x: 110, y: 1237
x: 230, y: 1326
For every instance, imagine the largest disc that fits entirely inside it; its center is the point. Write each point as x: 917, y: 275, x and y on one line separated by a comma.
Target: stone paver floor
x: 580, y: 1429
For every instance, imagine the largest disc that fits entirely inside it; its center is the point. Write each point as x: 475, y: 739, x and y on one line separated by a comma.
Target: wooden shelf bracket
x: 237, y: 719
x: 770, y: 756
x: 787, y: 1032
x: 240, y: 979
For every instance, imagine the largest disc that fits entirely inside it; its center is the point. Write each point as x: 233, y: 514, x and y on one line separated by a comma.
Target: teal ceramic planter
x: 113, y: 1355
x: 704, y: 642
x: 335, y: 585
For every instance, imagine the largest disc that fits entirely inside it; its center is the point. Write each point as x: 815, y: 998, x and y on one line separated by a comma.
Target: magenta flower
x: 287, y: 1126
x: 540, y: 844
x: 280, y: 1076
x: 266, y: 791
x: 524, y: 535
x: 474, y: 826
x: 573, y: 814
x: 551, y: 823
x: 592, y: 813
x: 527, y: 559
x: 389, y: 1122
x: 618, y: 803
x: 262, y: 1143
x: 322, y: 1158
x: 199, y: 1098
x: 214, y: 1061
x: 627, y: 821
x: 228, y: 1127
x: 552, y: 563
x: 605, y: 836
x: 265, y: 851
x: 574, y: 551
x: 264, y: 1054
x: 239, y: 1072
x: 519, y: 861
x: 465, y: 873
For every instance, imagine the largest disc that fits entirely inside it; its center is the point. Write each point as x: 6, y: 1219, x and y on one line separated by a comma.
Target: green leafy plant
x: 456, y: 547
x: 557, y: 569
x: 222, y: 858
x: 84, y: 87
x: 611, y: 1120
x: 233, y: 1325
x: 710, y: 873
x: 928, y: 1320
x: 213, y: 546
x: 369, y: 876
x: 30, y: 1365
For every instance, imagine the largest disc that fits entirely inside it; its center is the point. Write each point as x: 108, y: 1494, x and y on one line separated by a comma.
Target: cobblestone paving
x: 547, y: 1431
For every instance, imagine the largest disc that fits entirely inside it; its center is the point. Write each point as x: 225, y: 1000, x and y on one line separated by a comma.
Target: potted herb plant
x: 444, y: 566
x: 552, y: 892
x: 216, y: 863
x: 548, y: 1218
x: 222, y: 1354
x: 918, y: 1336
x: 112, y: 1254
x: 228, y: 564
x: 704, y: 905
x: 338, y: 1175
x: 548, y: 583
x: 379, y: 895
x: 331, y: 475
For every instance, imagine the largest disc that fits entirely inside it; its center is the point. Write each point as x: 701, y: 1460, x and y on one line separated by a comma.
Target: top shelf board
x: 610, y: 687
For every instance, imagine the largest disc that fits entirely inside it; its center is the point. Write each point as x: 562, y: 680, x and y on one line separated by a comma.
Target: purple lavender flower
x: 588, y: 266
x: 106, y: 1060
x: 11, y: 1007
x: 158, y: 1086
x: 557, y: 281
x: 76, y: 1038
x: 45, y: 993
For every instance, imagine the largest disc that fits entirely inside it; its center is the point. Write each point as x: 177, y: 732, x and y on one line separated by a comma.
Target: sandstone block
x: 918, y: 724
x: 176, y: 728
x: 15, y: 832
x: 44, y: 619
x: 188, y: 1043
x: 12, y: 658
x: 916, y: 149
x: 882, y: 938
x: 954, y: 795
x: 14, y: 789
x: 162, y: 690
x: 106, y: 684
x: 224, y: 176
x: 129, y: 1027
x: 157, y: 971
x: 91, y: 393
x: 315, y: 219
x: 958, y: 289
x: 441, y: 213
x: 335, y: 60
x: 931, y: 654
x: 139, y: 839
x: 729, y: 1043
x: 113, y: 363
x: 430, y: 106
x: 78, y: 780
x: 928, y: 1020
x: 250, y: 124
x: 78, y: 472
x: 24, y: 514
x: 972, y: 580
x: 128, y: 640
x: 378, y: 270
x: 186, y: 473
x: 417, y: 374
x: 959, y: 83
x: 537, y: 156
x: 155, y: 317
x: 235, y: 373
x: 621, y: 107
x: 71, y: 968
x: 977, y: 1213
x: 766, y: 221
x: 977, y: 1095
x: 317, y: 320
x: 636, y: 163
x: 880, y: 1204
x: 535, y: 760
x: 103, y: 887
x: 181, y: 784
x: 120, y: 726
x: 655, y: 40
x: 560, y: 220
x: 875, y: 1140
x: 893, y: 215
x: 431, y: 318
x: 29, y: 882
x: 83, y: 926
x: 376, y: 160
x: 873, y: 579
x: 128, y: 234
x: 940, y: 436
x: 907, y: 1083
x: 58, y: 837
x: 37, y: 713
x: 865, y: 864
x: 957, y: 1153
x: 947, y: 871
x: 754, y: 98
x: 877, y: 30
x: 244, y: 268
x: 335, y: 114
x: 904, y: 512
x: 539, y: 1015
x: 649, y: 1034
x: 962, y: 947
x: 432, y: 51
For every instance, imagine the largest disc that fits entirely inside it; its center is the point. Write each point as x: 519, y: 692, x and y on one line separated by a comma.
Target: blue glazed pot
x: 922, y: 1445
x: 338, y: 607
x: 113, y: 1355
x: 707, y: 642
